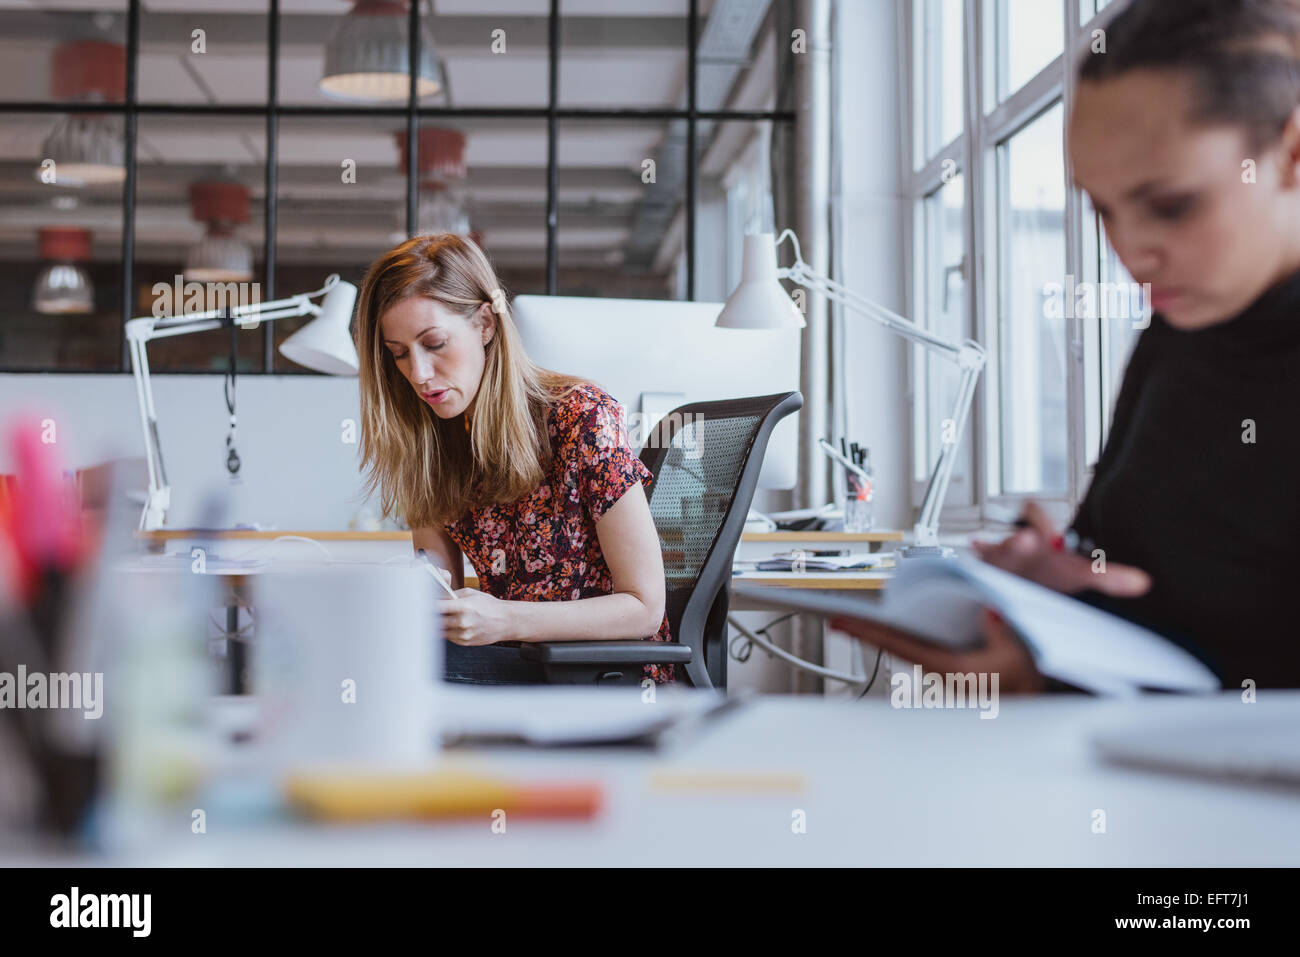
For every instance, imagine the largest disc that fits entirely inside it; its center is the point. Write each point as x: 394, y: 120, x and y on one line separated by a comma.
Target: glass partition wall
x: 149, y: 144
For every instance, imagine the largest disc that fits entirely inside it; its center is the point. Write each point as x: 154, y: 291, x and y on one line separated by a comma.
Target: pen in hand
x: 1070, y: 540
x: 435, y: 571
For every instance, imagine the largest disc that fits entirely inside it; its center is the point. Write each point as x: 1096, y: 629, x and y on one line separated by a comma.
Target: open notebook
x: 940, y: 601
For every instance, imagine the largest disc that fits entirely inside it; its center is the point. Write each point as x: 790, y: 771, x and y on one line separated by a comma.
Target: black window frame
x: 413, y: 112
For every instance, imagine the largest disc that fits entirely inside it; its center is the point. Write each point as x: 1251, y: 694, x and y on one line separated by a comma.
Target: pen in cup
x: 830, y: 450
x: 434, y: 571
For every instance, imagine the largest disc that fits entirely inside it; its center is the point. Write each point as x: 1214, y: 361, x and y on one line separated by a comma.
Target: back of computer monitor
x: 653, y: 354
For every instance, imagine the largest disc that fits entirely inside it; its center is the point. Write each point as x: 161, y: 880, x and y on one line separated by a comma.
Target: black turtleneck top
x: 1199, y: 485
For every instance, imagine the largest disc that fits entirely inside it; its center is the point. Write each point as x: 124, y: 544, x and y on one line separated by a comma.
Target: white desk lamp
x: 324, y: 344
x: 760, y: 302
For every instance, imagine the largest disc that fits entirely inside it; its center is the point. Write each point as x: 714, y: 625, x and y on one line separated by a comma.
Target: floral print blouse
x: 543, y: 547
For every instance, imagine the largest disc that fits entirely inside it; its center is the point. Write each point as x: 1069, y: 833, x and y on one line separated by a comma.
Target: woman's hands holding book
x: 1002, y: 653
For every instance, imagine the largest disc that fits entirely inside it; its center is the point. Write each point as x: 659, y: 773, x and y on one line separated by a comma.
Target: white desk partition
x: 652, y: 355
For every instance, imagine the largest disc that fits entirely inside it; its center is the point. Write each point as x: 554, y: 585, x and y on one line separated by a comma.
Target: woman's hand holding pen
x: 1037, y: 552
x: 476, y: 618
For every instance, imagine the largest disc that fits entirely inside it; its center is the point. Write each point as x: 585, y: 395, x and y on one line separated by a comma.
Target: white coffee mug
x: 346, y: 660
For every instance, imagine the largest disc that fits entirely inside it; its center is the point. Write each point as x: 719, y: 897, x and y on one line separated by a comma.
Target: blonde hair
x: 430, y: 470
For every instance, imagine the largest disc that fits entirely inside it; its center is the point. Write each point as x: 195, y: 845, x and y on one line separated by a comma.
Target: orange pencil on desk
x: 363, y: 796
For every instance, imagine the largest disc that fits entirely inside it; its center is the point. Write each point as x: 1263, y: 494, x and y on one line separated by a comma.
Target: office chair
x: 705, y: 458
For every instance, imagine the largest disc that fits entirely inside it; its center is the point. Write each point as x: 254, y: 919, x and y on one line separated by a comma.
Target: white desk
x: 884, y: 787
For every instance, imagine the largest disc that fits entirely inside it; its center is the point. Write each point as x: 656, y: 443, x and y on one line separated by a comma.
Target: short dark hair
x: 1242, y: 55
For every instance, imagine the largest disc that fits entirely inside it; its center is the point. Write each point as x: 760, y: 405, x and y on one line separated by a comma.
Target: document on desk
x: 557, y: 715
x: 795, y: 561
x: 940, y: 601
x: 211, y: 564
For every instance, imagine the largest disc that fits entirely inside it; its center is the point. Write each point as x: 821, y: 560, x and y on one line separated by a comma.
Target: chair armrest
x: 632, y: 651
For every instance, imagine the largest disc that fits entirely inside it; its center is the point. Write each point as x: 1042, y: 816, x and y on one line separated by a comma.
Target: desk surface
x: 854, y: 581
x: 860, y: 581
x: 169, y: 534
x: 883, y: 786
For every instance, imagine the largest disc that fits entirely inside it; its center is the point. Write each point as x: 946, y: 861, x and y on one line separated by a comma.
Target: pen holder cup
x: 857, y: 502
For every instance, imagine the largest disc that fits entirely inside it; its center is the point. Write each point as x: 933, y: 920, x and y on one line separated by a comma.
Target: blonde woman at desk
x: 1195, y: 501
x: 526, y: 472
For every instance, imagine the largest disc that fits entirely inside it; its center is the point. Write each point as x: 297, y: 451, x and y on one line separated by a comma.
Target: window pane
x: 209, y: 53
x: 733, y: 198
x: 60, y: 255
x: 342, y: 202
x: 475, y: 53
x: 493, y: 52
x: 737, y: 65
x: 943, y: 312
x: 621, y: 54
x: 501, y: 199
x: 1031, y: 240
x: 484, y: 177
x: 199, y: 232
x: 1029, y: 35
x: 622, y: 186
x: 64, y: 54
x: 940, y: 56
x: 624, y: 53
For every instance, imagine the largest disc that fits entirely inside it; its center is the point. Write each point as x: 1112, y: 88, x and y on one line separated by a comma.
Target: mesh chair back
x: 706, y: 457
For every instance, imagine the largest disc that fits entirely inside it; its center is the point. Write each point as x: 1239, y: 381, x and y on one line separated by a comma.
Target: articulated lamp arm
x: 968, y: 355
x: 141, y: 330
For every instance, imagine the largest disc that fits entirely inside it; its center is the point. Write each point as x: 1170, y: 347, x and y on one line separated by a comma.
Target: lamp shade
x: 325, y: 344
x: 86, y: 150
x: 63, y: 288
x: 759, y: 302
x: 367, y: 56
x: 219, y: 257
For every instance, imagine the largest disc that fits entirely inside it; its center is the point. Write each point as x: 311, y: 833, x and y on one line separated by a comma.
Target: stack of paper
x: 549, y: 715
x: 802, y: 561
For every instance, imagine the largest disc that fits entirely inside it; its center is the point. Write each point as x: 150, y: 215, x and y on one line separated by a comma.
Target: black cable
x: 748, y: 644
x: 872, y: 680
x: 748, y: 648
x: 740, y: 654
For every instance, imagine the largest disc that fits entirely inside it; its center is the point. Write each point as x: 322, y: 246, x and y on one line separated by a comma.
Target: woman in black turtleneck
x: 1185, y: 133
